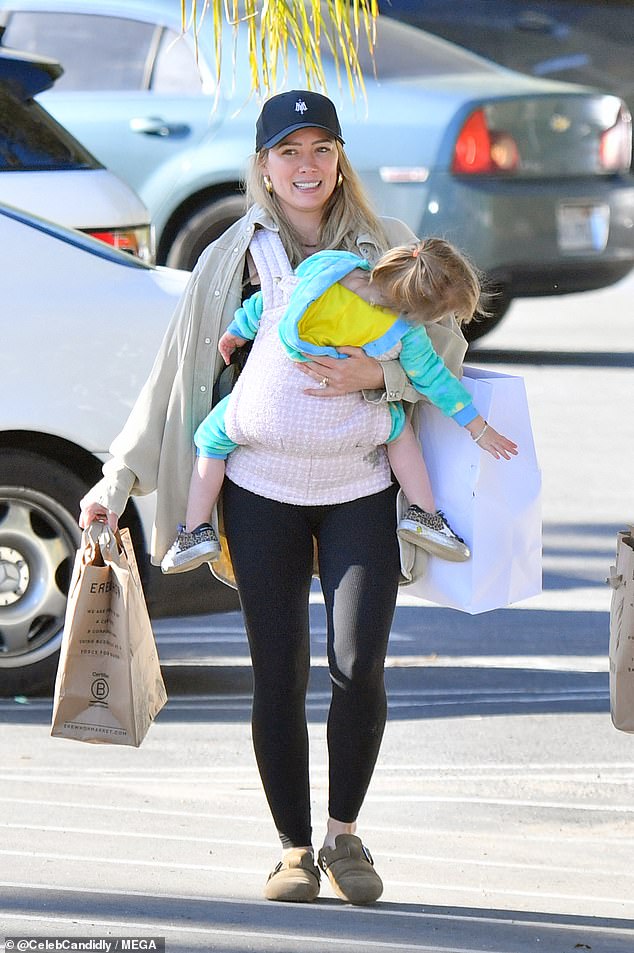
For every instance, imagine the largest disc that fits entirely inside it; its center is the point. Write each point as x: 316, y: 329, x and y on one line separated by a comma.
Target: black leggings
x: 271, y: 547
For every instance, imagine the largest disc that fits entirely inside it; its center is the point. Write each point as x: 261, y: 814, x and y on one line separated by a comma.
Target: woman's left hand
x: 333, y: 376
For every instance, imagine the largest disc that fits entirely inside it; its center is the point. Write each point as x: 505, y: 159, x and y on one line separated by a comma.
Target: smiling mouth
x: 307, y: 186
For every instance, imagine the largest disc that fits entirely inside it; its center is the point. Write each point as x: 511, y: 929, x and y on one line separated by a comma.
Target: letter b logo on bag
x: 100, y: 688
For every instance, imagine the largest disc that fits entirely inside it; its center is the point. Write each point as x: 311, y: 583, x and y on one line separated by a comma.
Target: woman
x: 287, y: 487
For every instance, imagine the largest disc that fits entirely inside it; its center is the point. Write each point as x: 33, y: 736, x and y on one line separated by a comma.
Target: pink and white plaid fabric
x: 295, y: 448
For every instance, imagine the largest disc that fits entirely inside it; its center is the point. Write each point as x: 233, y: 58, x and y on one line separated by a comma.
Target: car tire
x: 39, y: 535
x: 202, y: 228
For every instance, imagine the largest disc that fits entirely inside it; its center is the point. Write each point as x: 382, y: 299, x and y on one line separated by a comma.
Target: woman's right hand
x: 91, y: 512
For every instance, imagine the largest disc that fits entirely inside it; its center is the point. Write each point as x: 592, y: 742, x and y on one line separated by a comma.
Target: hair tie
x: 416, y: 253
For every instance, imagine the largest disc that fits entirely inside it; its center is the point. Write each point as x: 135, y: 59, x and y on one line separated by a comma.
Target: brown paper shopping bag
x: 622, y: 634
x: 109, y: 686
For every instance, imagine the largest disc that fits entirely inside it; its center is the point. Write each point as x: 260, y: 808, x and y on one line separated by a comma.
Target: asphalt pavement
x: 501, y: 814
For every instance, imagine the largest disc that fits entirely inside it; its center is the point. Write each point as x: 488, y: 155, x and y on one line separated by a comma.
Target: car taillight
x: 615, y: 147
x: 137, y: 241
x: 481, y: 151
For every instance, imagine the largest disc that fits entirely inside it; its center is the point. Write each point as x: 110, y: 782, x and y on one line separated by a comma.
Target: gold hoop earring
x: 339, y: 180
x: 268, y: 185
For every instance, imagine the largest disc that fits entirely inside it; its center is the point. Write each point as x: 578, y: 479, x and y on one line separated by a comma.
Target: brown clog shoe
x: 295, y: 879
x: 350, y: 869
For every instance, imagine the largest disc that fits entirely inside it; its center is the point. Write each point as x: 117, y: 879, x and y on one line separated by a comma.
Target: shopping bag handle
x: 99, y: 537
x: 615, y: 579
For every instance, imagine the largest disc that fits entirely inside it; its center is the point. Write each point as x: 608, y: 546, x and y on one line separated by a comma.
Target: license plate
x: 582, y: 227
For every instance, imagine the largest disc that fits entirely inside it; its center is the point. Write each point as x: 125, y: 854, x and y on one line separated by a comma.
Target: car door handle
x: 155, y: 126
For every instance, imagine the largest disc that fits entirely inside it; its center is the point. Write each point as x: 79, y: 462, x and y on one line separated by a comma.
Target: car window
x: 175, y: 69
x: 580, y: 41
x: 31, y: 140
x: 97, y: 52
x: 404, y: 52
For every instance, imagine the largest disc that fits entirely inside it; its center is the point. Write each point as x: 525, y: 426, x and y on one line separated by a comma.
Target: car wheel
x: 39, y: 535
x: 202, y: 228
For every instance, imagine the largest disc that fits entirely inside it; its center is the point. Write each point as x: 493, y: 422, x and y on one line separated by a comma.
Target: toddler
x: 336, y: 298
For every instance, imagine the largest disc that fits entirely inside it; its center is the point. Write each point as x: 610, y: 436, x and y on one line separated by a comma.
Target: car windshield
x: 79, y: 240
x: 403, y: 52
x: 31, y: 140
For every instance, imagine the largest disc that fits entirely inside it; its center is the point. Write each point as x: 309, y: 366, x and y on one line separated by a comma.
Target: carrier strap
x: 272, y: 264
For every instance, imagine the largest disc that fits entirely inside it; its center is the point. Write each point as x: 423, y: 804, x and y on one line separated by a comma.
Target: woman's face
x: 303, y: 170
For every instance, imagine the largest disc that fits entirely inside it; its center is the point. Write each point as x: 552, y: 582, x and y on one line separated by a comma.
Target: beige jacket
x: 155, y: 449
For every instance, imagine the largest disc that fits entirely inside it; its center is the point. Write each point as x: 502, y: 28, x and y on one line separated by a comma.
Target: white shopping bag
x: 493, y: 504
x: 622, y: 633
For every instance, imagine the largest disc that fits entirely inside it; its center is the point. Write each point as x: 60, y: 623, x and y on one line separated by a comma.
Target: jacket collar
x: 368, y: 247
x: 257, y: 215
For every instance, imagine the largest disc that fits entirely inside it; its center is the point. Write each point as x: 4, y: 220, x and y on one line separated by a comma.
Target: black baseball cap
x: 297, y: 109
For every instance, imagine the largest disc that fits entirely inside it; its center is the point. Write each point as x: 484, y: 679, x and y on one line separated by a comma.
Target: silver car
x: 528, y: 176
x: 81, y: 325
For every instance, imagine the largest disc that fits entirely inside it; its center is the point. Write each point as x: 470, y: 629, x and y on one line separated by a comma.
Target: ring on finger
x: 323, y: 382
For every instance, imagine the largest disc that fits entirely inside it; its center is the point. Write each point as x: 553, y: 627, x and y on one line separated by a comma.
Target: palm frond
x: 273, y: 27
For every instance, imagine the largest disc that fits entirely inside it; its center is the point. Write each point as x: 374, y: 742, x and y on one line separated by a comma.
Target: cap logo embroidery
x: 300, y: 106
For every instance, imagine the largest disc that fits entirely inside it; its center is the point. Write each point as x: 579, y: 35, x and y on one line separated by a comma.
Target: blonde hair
x: 347, y: 213
x: 427, y: 280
